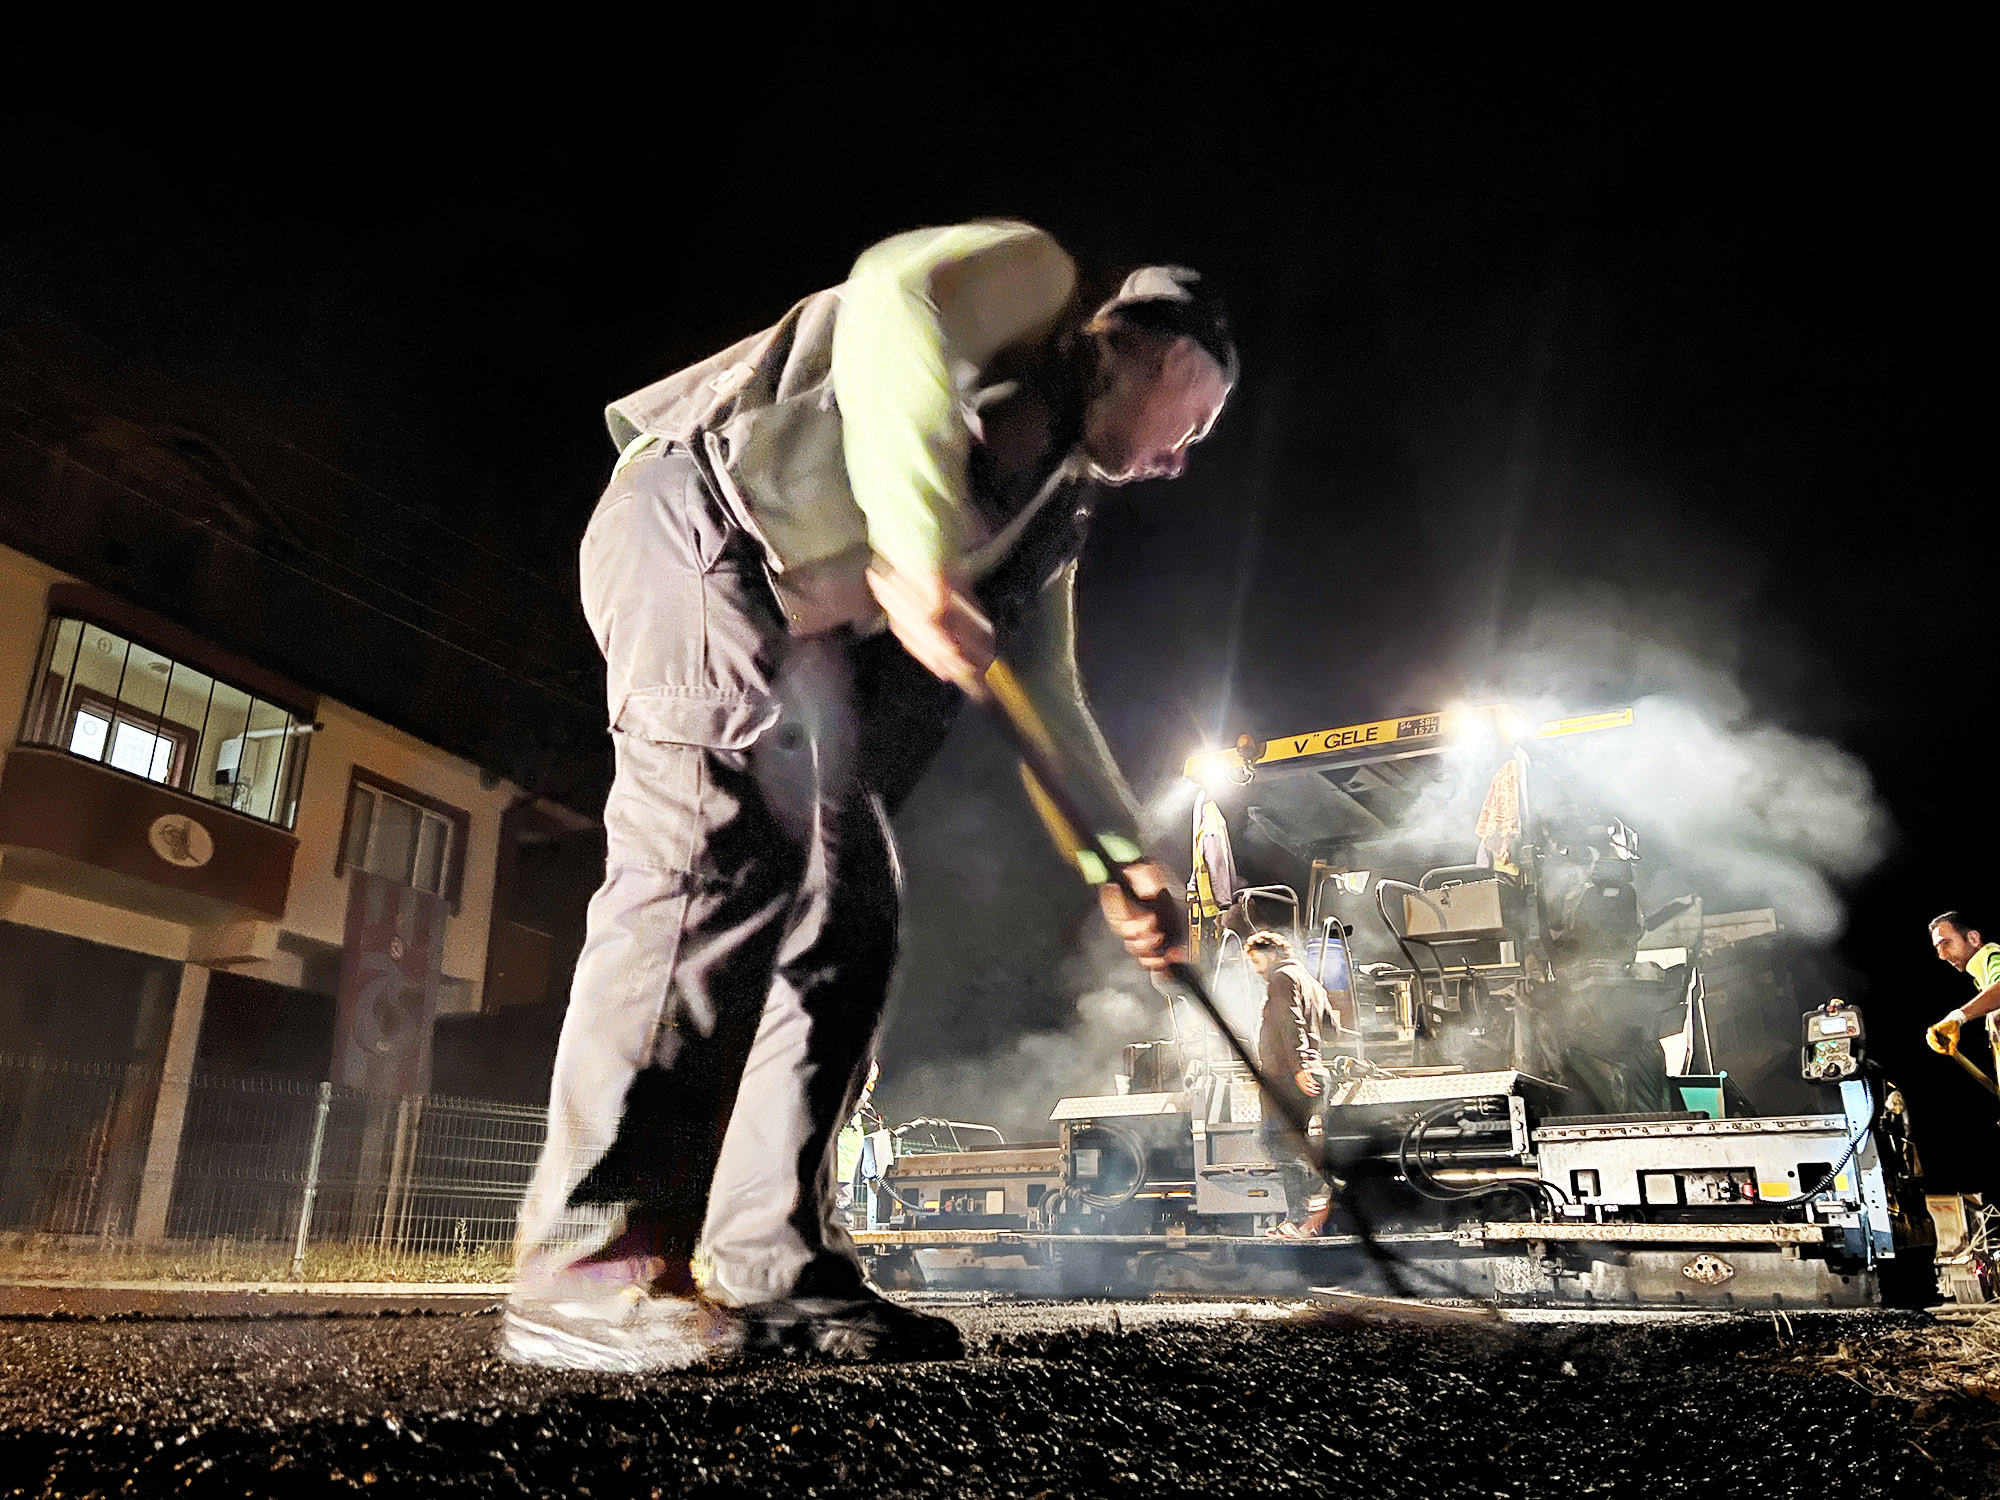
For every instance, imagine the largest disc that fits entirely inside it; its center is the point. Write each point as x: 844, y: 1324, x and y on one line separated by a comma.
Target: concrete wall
x: 24, y: 587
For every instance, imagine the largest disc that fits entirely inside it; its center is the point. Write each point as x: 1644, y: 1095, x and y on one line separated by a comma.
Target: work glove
x: 1943, y: 1037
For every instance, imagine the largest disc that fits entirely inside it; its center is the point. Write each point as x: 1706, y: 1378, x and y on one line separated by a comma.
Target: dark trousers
x: 738, y: 955
x: 1298, y: 1159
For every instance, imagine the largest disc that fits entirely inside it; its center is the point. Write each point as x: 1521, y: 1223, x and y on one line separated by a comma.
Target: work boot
x: 626, y: 1331
x: 626, y: 1309
x: 866, y: 1327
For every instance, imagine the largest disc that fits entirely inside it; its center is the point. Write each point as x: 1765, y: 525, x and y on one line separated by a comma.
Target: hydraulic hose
x: 1141, y: 1159
x: 879, y: 1182
x: 1419, y: 1177
x: 1417, y: 1174
x: 1833, y: 1172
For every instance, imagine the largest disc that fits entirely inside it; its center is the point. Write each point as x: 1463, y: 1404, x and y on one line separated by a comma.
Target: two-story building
x: 206, y: 867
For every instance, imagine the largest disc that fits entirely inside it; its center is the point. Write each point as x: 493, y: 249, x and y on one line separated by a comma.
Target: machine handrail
x: 954, y: 1126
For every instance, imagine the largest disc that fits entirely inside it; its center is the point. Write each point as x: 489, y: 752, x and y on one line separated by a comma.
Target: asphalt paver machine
x: 1528, y: 1105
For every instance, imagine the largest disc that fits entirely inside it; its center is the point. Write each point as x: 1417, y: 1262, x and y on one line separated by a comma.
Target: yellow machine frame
x: 1414, y: 734
x: 1384, y: 739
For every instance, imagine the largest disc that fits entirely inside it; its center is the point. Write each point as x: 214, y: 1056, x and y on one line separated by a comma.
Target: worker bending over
x: 915, y: 447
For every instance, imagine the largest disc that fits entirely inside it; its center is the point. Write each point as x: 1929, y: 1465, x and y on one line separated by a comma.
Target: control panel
x: 1833, y: 1048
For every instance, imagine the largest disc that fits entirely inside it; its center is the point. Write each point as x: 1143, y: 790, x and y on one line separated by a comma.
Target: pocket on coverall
x: 677, y: 598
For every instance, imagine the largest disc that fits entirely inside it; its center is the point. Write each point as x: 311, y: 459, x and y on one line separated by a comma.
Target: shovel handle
x: 1974, y: 1069
x: 1015, y: 714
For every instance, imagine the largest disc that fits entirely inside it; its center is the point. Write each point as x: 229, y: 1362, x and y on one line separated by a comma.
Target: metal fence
x: 258, y: 1177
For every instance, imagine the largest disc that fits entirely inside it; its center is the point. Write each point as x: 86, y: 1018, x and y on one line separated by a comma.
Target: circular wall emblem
x: 179, y: 840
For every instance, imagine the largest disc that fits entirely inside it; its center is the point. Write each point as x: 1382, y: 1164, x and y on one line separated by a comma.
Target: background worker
x: 1964, y: 947
x: 1297, y: 1020
x: 850, y: 1145
x: 916, y: 445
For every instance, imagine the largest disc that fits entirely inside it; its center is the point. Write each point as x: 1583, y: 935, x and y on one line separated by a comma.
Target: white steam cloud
x: 1728, y: 805
x: 1014, y: 1087
x: 1750, y: 810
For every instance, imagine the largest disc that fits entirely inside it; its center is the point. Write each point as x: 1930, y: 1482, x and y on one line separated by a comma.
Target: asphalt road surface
x: 1140, y: 1400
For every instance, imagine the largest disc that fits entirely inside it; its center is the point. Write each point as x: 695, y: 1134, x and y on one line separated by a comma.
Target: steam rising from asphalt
x: 1016, y: 1086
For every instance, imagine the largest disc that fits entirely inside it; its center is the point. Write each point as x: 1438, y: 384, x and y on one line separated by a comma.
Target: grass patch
x: 81, y: 1259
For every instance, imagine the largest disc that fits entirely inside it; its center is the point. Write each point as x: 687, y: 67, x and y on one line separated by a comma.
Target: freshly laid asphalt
x: 1058, y: 1399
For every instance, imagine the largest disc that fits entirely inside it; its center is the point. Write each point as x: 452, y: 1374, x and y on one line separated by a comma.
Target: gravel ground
x: 1155, y: 1399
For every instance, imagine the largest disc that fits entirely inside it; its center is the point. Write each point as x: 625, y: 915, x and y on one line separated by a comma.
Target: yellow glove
x: 1943, y: 1037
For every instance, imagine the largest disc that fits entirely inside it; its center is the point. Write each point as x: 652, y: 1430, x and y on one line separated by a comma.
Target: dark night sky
x: 1664, y: 334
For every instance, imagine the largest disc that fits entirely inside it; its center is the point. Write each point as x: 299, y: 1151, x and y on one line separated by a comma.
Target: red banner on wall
x: 391, y: 968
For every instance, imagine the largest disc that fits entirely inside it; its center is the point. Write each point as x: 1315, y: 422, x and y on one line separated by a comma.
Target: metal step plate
x: 1361, y: 1092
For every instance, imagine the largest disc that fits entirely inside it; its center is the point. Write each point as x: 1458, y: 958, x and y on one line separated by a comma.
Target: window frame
x: 459, y: 818
x: 48, y: 718
x: 103, y: 706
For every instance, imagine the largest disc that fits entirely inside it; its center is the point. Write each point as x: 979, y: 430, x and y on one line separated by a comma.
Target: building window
x: 404, y: 836
x: 102, y: 696
x: 102, y: 728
